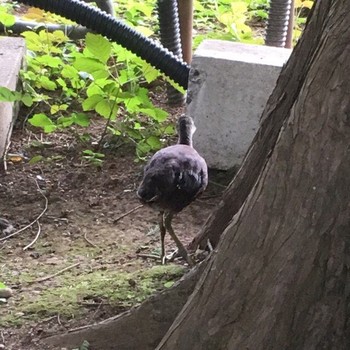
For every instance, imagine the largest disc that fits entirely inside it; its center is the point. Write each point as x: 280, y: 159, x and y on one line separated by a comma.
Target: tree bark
x: 280, y: 276
x: 275, y: 113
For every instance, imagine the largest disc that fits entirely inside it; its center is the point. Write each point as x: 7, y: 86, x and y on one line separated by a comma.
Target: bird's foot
x: 173, y: 255
x: 184, y: 254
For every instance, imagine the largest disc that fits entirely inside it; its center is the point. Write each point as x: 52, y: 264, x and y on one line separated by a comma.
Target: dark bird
x: 173, y: 178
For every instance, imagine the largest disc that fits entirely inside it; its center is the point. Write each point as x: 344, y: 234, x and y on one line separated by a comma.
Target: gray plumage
x: 173, y: 178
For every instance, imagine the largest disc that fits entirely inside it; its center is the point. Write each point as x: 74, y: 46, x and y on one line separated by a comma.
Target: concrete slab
x: 12, y: 51
x: 228, y: 88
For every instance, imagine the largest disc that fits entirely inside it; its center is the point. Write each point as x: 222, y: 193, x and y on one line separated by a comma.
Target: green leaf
x: 142, y: 148
x: 150, y: 73
x: 81, y: 119
x: 91, y: 102
x: 7, y: 95
x: 90, y: 153
x: 99, y: 46
x: 46, y: 83
x: 64, y: 122
x: 89, y: 65
x: 156, y: 113
x: 42, y: 121
x: 27, y: 100
x: 49, y: 61
x: 7, y: 20
x: 2, y: 285
x: 69, y: 72
x: 154, y: 142
x: 104, y: 108
x: 36, y: 159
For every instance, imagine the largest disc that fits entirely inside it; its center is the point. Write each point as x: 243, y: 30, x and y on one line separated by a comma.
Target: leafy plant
x: 6, y: 18
x: 103, y: 79
x: 7, y: 95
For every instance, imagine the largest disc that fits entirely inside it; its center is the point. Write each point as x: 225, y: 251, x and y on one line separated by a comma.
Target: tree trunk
x: 280, y: 276
x: 276, y: 112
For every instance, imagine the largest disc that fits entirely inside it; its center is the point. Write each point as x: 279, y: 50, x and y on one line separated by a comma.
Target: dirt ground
x: 79, y: 205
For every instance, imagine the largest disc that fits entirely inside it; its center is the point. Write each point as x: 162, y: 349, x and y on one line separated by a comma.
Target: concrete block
x: 228, y: 88
x: 12, y: 51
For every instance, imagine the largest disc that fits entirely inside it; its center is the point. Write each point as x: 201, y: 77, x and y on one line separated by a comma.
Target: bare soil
x: 79, y: 230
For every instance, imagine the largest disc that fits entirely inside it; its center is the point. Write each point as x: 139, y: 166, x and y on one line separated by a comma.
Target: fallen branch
x: 127, y: 213
x: 35, y: 239
x: 88, y: 241
x: 34, y: 221
x: 55, y: 274
x: 148, y: 256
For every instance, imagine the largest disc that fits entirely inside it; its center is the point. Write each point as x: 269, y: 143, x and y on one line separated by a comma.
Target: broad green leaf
x: 91, y: 102
x: 36, y: 159
x: 7, y: 95
x: 104, y: 108
x: 149, y: 72
x: 46, y: 83
x: 99, y: 46
x: 142, y: 148
x: 81, y: 119
x: 56, y: 108
x: 7, y: 20
x: 154, y: 142
x: 89, y: 65
x: 41, y: 120
x: 65, y: 121
x: 27, y: 100
x: 49, y: 61
x: 2, y: 285
x: 156, y: 113
x: 69, y: 72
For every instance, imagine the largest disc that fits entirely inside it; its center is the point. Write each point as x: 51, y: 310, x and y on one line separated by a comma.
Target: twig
x: 127, y: 213
x: 2, y: 337
x: 88, y: 241
x: 5, y: 156
x: 96, y: 311
x: 104, y: 132
x: 55, y: 274
x: 148, y: 256
x: 34, y: 221
x: 35, y: 239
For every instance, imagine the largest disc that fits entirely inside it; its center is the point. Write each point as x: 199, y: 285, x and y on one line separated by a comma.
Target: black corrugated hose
x: 277, y: 26
x: 169, y: 32
x: 117, y: 31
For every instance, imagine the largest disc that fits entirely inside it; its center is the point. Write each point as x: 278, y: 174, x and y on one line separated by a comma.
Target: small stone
x: 2, y: 346
x: 6, y: 293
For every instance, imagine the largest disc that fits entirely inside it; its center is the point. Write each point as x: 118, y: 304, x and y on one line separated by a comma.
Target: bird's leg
x: 162, y: 236
x: 180, y: 246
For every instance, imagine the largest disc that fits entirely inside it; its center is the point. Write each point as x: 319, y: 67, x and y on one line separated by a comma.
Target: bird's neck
x: 185, y: 139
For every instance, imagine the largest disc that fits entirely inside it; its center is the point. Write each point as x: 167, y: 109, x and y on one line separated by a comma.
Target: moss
x: 71, y: 292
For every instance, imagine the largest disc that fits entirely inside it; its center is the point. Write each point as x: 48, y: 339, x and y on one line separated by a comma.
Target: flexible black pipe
x: 277, y: 26
x: 169, y: 32
x: 117, y: 31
